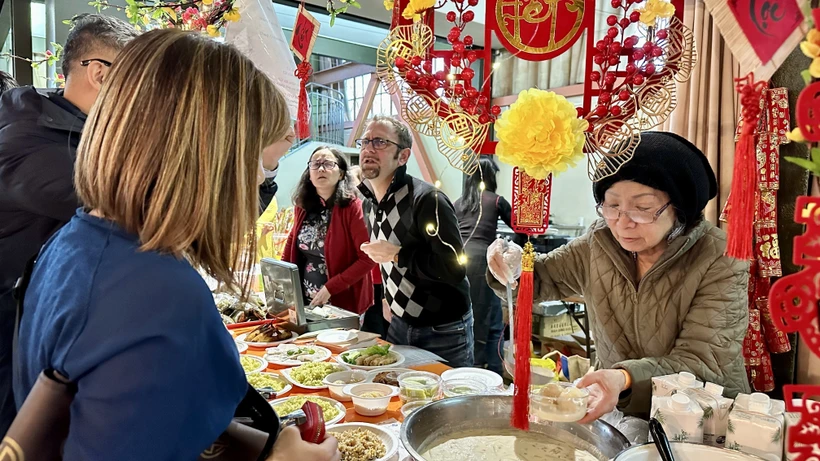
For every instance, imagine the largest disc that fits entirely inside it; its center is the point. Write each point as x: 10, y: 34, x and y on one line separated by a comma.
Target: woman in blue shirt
x: 168, y: 169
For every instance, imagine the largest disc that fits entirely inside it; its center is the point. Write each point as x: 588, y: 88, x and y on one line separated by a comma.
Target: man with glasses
x: 39, y: 134
x: 415, y: 239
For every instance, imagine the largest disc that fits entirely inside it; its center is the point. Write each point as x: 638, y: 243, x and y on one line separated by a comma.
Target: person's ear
x: 404, y: 156
x: 96, y: 73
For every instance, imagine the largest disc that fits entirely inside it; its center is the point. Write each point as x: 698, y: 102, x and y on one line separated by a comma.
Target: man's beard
x: 371, y: 172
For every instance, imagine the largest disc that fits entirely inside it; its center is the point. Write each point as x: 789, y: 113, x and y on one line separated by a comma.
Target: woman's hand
x: 321, y: 298
x: 604, y: 388
x: 381, y: 251
x: 290, y: 446
x: 504, y: 261
x: 386, y: 312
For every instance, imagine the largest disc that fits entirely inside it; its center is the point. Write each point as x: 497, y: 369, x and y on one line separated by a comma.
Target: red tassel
x: 744, y: 176
x: 523, y: 333
x: 303, y: 71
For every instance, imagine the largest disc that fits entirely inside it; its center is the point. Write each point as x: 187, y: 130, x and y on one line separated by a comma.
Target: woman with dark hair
x: 478, y: 211
x: 662, y: 296
x: 6, y: 82
x: 328, y: 230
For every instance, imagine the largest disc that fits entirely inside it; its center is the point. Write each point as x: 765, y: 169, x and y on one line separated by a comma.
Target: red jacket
x: 348, y: 267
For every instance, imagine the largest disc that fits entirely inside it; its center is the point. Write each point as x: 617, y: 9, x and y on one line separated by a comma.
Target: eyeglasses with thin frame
x: 326, y: 164
x: 378, y: 143
x: 611, y: 213
x: 89, y: 61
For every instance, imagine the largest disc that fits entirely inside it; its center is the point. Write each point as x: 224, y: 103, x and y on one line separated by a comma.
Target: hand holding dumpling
x: 504, y: 261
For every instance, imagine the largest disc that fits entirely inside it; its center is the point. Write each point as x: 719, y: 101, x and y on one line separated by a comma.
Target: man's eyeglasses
x: 89, y: 61
x: 378, y: 143
x: 610, y: 213
x: 326, y: 164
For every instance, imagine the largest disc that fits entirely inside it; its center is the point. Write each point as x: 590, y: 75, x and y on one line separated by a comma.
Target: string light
x: 431, y: 228
x: 481, y: 186
x: 438, y: 186
x: 451, y: 77
x: 462, y: 259
x: 496, y: 65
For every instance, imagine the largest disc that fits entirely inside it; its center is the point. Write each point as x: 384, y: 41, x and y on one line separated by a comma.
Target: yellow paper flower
x: 389, y: 4
x: 655, y: 9
x: 207, y: 2
x: 416, y: 7
x: 796, y: 135
x: 213, y: 31
x: 811, y: 48
x: 232, y: 15
x: 540, y: 133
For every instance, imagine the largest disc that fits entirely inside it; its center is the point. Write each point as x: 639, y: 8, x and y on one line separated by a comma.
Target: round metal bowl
x: 487, y: 412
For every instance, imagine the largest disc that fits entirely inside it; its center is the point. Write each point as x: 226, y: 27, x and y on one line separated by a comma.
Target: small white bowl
x: 241, y: 346
x: 370, y: 406
x: 390, y: 441
x: 337, y: 391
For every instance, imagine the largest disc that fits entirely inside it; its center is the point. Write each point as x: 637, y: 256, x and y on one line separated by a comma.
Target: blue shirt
x: 158, y: 374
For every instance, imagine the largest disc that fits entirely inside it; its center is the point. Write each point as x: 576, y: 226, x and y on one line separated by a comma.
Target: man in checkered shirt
x: 415, y: 239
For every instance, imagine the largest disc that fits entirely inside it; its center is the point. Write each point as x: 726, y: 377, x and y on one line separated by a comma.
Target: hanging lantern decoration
x: 305, y: 32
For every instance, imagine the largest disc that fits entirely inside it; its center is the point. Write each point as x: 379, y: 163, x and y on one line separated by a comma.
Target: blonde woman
x: 168, y: 169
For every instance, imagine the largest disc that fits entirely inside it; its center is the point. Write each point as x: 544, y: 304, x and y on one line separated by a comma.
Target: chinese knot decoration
x: 305, y: 32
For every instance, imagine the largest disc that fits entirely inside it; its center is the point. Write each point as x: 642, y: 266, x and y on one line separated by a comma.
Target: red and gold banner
x: 530, y: 203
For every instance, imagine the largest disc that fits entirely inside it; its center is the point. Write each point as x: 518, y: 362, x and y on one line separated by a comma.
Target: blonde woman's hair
x: 172, y: 148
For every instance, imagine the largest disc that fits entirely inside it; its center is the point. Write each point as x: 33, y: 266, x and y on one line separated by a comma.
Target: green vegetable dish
x: 329, y: 410
x: 313, y: 373
x: 373, y: 356
x: 263, y: 381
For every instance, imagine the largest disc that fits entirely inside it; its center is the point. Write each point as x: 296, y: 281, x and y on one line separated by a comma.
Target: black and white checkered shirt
x: 428, y: 286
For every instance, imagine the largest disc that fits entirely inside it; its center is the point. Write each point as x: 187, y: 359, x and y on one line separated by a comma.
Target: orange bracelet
x: 628, y: 378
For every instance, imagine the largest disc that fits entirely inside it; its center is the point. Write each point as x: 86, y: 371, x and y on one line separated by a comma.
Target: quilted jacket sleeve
x: 561, y: 273
x: 710, y: 341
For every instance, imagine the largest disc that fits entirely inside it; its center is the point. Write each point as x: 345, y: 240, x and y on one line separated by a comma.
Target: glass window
x: 39, y: 45
x: 5, y: 39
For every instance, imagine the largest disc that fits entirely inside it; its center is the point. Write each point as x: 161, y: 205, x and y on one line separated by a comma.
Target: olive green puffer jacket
x: 689, y: 312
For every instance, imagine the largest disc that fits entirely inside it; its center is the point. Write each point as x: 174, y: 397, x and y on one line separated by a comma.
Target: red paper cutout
x: 808, y: 112
x: 531, y: 203
x: 305, y: 32
x: 766, y: 23
x: 803, y: 437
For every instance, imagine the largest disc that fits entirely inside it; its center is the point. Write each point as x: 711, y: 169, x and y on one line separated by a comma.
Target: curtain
x: 707, y: 108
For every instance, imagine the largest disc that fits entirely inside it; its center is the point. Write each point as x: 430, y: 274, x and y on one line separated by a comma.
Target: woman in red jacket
x: 328, y: 230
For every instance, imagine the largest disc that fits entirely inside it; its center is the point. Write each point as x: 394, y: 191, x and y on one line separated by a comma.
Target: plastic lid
x: 714, y: 389
x: 759, y: 403
x: 680, y: 402
x: 686, y: 378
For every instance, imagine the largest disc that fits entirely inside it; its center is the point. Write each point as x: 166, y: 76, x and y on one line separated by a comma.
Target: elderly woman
x: 662, y: 296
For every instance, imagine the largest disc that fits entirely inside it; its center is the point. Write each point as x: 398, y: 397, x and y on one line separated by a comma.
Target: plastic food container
x: 457, y: 387
x: 419, y: 385
x: 561, y: 402
x: 336, y: 383
x: 370, y: 399
x: 410, y: 407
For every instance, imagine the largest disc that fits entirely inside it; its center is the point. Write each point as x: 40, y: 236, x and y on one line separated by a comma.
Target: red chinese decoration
x: 793, y: 302
x: 538, y: 31
x: 530, y: 203
x: 766, y: 23
x: 808, y: 112
x: 305, y: 31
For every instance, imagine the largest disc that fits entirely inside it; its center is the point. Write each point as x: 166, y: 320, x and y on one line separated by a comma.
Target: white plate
x: 321, y: 355
x: 262, y: 363
x: 336, y: 336
x: 390, y: 441
x: 486, y: 377
x: 265, y: 345
x: 241, y: 346
x: 288, y: 386
x: 338, y: 405
x: 399, y: 361
x: 286, y: 373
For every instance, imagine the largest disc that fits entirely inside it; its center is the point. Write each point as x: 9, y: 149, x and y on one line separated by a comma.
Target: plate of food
x: 267, y: 335
x: 312, y: 374
x: 290, y: 355
x: 332, y: 410
x: 364, y: 442
x: 389, y: 376
x: 480, y: 375
x: 252, y: 363
x: 371, y: 358
x: 241, y: 346
x: 270, y: 385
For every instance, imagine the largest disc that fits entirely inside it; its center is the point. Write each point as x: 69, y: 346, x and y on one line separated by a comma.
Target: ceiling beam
x: 343, y: 72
